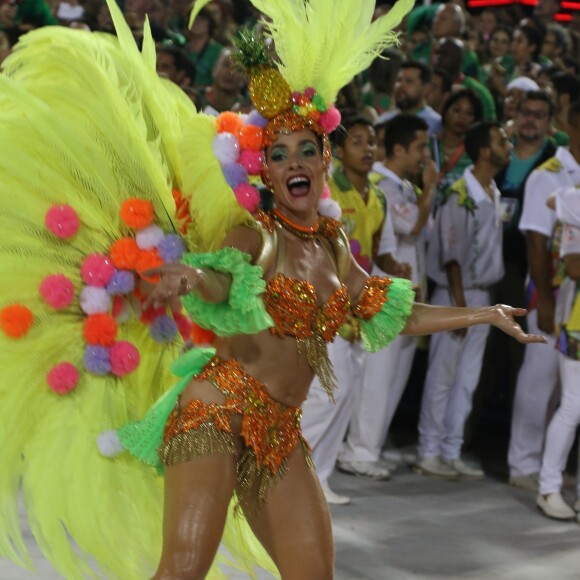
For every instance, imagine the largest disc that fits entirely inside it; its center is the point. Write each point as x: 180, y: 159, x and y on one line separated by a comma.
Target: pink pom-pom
x: 63, y: 378
x: 248, y: 197
x: 325, y: 192
x: 97, y: 270
x: 124, y: 358
x: 310, y: 92
x: 295, y: 97
x: 57, y: 291
x: 252, y: 161
x: 62, y: 221
x: 330, y: 120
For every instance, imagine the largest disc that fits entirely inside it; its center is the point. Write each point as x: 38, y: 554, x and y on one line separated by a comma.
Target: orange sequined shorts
x: 269, y: 430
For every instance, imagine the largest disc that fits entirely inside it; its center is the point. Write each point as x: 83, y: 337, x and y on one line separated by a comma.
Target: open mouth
x: 298, y: 186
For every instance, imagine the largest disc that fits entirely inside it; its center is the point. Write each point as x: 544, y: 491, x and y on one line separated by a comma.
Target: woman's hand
x: 175, y: 280
x: 503, y: 318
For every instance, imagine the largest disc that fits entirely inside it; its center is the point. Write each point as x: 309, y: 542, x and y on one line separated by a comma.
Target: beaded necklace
x: 306, y: 232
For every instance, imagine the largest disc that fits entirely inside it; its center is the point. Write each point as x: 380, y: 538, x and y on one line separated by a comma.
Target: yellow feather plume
x: 324, y: 43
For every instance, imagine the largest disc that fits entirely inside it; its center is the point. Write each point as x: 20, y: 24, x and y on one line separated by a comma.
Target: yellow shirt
x: 361, y: 221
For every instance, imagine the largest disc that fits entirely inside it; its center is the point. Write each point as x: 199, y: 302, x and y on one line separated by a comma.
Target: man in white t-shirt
x: 538, y: 377
x: 464, y: 260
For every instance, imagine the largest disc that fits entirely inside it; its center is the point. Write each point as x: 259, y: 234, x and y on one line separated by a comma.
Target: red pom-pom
x: 97, y: 270
x: 62, y: 221
x: 148, y: 259
x: 124, y: 358
x: 137, y: 213
x: 183, y: 325
x: 57, y: 291
x: 248, y: 197
x: 229, y: 122
x: 151, y: 314
x: 201, y: 336
x: 125, y: 253
x: 16, y: 320
x: 63, y: 378
x: 251, y: 138
x: 100, y: 329
x: 252, y: 161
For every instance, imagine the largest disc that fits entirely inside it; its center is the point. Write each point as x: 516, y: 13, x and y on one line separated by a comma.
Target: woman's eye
x: 309, y: 151
x: 278, y: 155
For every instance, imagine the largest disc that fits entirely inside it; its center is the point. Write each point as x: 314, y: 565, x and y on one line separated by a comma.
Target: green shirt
x: 36, y: 12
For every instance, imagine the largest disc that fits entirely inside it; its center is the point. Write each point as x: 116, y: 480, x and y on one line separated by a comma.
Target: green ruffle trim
x: 144, y: 437
x: 244, y: 311
x: 387, y: 324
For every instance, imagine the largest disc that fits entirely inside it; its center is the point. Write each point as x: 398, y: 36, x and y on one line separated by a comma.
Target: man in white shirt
x: 386, y: 372
x: 465, y: 259
x: 538, y: 377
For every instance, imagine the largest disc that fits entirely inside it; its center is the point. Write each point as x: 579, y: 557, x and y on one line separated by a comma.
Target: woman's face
x: 522, y: 51
x: 459, y: 116
x: 499, y: 43
x: 296, y: 167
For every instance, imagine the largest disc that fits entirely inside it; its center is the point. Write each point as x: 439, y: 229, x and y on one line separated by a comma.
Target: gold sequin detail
x: 372, y: 298
x: 270, y: 430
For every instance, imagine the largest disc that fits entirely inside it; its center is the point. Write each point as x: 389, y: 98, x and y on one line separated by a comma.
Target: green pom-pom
x: 320, y: 104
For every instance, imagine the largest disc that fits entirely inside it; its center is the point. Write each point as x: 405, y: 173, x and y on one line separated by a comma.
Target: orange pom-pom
x: 100, y: 329
x: 201, y: 336
x: 251, y: 138
x: 148, y: 259
x: 16, y: 320
x: 137, y: 213
x: 124, y: 254
x: 229, y: 122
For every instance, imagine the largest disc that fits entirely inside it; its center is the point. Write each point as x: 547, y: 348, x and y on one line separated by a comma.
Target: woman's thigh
x: 294, y: 524
x: 197, y: 495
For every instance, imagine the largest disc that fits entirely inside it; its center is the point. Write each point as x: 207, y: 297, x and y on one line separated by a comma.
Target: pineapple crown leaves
x: 252, y: 50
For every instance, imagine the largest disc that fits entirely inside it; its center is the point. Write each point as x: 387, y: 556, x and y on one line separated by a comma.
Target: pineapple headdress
x: 320, y: 46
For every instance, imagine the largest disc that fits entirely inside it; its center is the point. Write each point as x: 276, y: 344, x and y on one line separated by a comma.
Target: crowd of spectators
x: 513, y: 66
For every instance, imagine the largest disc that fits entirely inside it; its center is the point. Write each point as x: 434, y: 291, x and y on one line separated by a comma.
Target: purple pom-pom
x: 97, y: 360
x: 163, y: 329
x: 254, y: 118
x: 121, y: 283
x: 171, y: 248
x: 235, y: 174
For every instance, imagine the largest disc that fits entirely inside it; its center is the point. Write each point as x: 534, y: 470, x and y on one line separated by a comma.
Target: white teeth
x: 298, y: 181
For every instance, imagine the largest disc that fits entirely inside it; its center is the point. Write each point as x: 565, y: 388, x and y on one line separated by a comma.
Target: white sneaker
x: 399, y: 457
x: 529, y: 482
x: 554, y: 506
x: 333, y: 498
x: 389, y: 465
x: 466, y: 471
x: 366, y: 468
x: 433, y: 466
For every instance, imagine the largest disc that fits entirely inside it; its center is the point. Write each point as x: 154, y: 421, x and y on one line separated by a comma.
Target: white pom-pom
x: 329, y: 208
x: 94, y: 300
x: 226, y: 148
x: 109, y: 444
x: 149, y: 237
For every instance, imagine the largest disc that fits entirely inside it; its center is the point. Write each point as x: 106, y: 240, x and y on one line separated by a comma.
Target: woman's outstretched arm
x: 427, y: 319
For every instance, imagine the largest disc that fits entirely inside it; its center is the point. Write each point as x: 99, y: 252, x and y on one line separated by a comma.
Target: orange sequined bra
x: 293, y: 304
